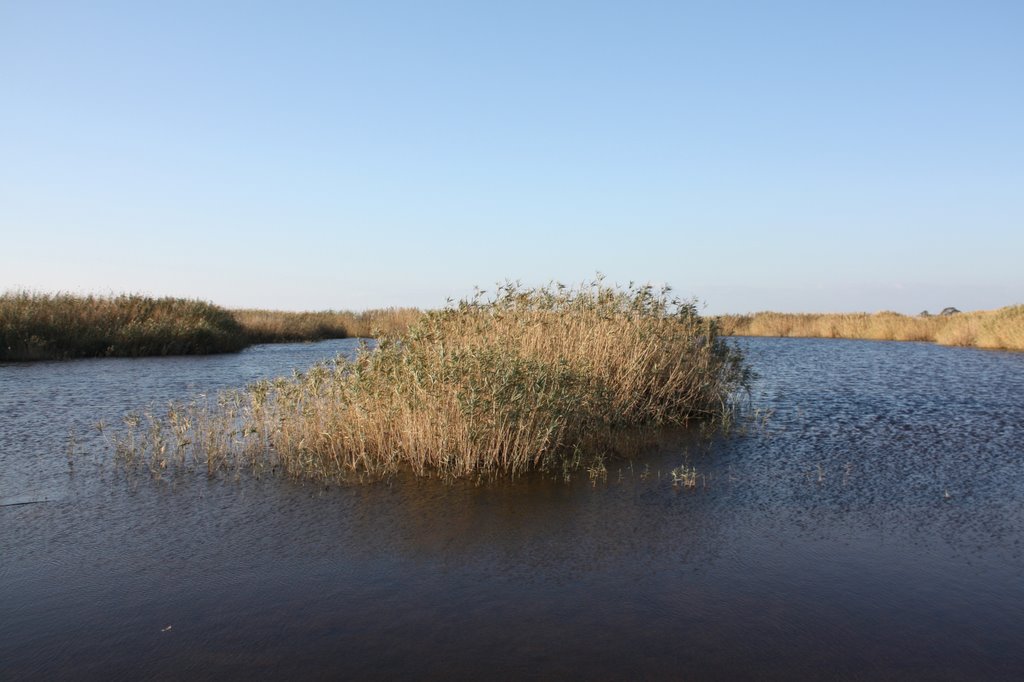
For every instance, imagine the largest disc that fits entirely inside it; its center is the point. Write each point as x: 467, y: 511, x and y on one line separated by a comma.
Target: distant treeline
x: 1002, y: 328
x: 36, y: 326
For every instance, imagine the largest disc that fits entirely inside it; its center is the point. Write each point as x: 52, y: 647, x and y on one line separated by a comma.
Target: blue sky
x: 790, y: 156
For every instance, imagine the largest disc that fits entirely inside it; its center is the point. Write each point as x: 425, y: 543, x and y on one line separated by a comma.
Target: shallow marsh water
x: 874, y: 528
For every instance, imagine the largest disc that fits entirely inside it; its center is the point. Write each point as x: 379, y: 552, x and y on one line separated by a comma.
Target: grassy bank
x: 43, y: 327
x: 533, y: 379
x: 1002, y: 328
x: 37, y: 326
x: 274, y: 326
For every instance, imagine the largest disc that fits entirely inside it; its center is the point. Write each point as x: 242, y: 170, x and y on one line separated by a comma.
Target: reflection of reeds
x: 550, y: 379
x: 1002, y: 328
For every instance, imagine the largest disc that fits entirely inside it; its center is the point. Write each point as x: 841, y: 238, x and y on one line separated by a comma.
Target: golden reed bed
x: 1000, y: 329
x: 552, y: 379
x: 274, y: 326
x: 39, y: 326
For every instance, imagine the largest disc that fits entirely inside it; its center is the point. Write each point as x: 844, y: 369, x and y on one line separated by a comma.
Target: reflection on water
x: 874, y: 529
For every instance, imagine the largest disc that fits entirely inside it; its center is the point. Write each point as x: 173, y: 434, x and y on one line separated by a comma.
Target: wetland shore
x: 1001, y: 329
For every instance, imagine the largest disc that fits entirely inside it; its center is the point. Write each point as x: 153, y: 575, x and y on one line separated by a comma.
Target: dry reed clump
x: 274, y: 326
x: 1002, y: 328
x: 998, y: 329
x: 37, y: 326
x: 533, y: 379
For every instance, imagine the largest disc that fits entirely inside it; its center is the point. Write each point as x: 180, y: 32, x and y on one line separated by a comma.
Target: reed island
x: 546, y: 379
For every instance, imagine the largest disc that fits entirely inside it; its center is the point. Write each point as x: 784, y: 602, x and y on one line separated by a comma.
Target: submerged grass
x: 997, y: 329
x: 549, y: 379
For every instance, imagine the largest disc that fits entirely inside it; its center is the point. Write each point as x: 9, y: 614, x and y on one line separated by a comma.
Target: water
x: 872, y: 530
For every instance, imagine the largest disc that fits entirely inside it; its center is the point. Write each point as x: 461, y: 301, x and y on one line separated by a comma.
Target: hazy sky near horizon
x: 756, y: 155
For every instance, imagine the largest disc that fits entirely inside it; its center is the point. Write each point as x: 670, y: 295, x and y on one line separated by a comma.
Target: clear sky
x: 757, y: 155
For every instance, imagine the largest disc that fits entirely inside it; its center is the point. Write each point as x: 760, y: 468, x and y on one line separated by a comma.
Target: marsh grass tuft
x: 551, y: 379
x: 685, y: 476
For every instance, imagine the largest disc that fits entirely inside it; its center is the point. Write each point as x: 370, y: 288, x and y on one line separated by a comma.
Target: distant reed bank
x: 35, y: 326
x: 47, y: 327
x: 550, y: 379
x: 275, y: 326
x: 996, y: 329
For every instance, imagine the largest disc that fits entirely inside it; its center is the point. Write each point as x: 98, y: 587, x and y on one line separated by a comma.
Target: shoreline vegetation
x: 1001, y: 329
x: 553, y: 379
x: 36, y: 326
x: 277, y: 326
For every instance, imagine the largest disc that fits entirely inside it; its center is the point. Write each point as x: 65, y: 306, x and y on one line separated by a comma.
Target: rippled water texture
x: 871, y: 530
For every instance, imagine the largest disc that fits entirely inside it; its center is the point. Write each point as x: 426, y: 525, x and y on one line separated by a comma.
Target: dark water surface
x: 872, y: 530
